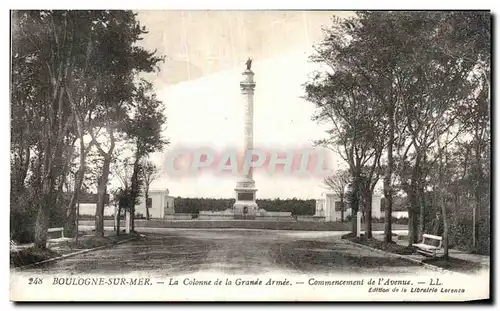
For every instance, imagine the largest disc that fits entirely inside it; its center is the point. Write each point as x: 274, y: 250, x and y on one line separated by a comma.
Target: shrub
x: 22, y: 217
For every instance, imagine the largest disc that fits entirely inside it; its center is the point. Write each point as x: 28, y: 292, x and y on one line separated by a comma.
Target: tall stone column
x: 245, y: 190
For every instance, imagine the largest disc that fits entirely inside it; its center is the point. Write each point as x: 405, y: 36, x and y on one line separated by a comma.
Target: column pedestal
x: 245, y: 205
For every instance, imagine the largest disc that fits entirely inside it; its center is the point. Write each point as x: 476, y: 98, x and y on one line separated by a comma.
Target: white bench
x: 431, y: 245
x: 57, y: 230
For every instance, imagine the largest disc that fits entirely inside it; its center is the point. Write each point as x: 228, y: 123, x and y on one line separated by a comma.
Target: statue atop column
x: 249, y: 63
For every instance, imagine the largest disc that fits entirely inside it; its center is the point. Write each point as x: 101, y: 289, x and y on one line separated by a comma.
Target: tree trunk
x: 388, y: 215
x: 342, y: 208
x: 413, y: 198
x: 421, y: 216
x: 20, y: 170
x: 478, y: 176
x: 388, y: 193
x: 368, y: 214
x: 444, y: 202
x: 71, y: 212
x: 101, y: 196
x: 412, y: 217
x: 47, y: 193
x: 146, y: 196
x: 114, y: 217
x: 445, y: 232
x: 443, y: 199
x: 118, y: 221
x: 70, y: 225
x: 354, y: 202
x: 77, y: 221
x: 134, y: 190
x: 354, y: 220
x: 42, y: 225
x: 132, y: 219
x: 475, y: 209
x: 65, y: 171
x: 18, y: 176
x: 365, y: 192
x: 42, y: 219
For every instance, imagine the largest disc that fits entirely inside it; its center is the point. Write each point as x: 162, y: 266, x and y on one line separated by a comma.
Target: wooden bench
x: 431, y: 245
x: 57, y: 230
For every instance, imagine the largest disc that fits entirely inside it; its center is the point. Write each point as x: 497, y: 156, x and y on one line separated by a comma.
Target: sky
x: 199, y: 85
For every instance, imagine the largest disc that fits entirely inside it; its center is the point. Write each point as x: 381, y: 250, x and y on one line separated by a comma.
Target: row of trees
x: 406, y: 96
x: 78, y: 99
x: 295, y: 206
x: 195, y: 205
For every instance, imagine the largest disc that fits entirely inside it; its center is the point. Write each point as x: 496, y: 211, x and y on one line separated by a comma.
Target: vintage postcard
x: 183, y: 155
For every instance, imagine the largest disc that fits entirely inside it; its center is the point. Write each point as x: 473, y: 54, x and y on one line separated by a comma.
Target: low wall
x: 274, y: 214
x: 215, y: 216
x: 311, y: 218
x: 180, y: 216
x: 274, y: 218
x: 261, y: 215
x: 217, y: 213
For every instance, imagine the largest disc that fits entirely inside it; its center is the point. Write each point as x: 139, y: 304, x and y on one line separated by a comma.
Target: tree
x: 337, y: 184
x: 374, y: 32
x: 345, y: 102
x: 468, y: 37
x: 396, y: 79
x: 71, y: 71
x: 46, y: 53
x: 150, y: 172
x: 433, y: 96
x: 355, y: 132
x: 144, y: 129
x: 102, y: 182
x: 118, y: 89
x: 426, y: 77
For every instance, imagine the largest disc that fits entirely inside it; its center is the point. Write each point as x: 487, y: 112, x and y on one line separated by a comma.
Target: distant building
x: 160, y: 204
x: 330, y: 207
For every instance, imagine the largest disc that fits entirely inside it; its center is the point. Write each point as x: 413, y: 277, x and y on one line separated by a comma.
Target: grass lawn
x: 247, y: 224
x: 454, y: 264
x: 92, y: 241
x: 392, y: 247
x: 32, y: 255
x: 328, y: 256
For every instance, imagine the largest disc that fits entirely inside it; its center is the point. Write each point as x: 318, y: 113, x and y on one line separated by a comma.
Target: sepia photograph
x: 250, y: 155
